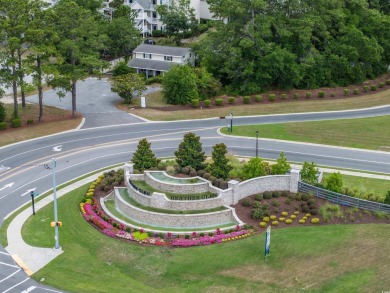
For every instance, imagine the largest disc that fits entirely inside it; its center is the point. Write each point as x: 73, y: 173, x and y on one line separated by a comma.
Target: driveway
x: 95, y: 101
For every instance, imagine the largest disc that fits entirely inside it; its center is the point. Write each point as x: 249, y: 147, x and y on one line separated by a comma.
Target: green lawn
x: 334, y: 258
x: 368, y: 133
x: 376, y: 186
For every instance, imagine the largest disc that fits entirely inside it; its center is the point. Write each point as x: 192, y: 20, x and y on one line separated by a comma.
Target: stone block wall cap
x: 233, y: 181
x: 295, y: 171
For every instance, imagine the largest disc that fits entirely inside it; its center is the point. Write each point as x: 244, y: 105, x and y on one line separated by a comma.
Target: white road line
x: 15, y: 285
x: 4, y: 253
x: 29, y: 289
x: 10, y: 275
x: 9, y: 265
x: 50, y: 290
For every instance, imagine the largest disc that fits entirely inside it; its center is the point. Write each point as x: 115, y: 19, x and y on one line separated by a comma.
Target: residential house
x: 153, y: 60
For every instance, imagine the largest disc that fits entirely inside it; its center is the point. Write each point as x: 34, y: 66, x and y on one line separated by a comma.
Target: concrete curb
x: 31, y: 259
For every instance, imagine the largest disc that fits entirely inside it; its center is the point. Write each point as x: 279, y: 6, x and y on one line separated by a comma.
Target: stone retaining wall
x: 176, y: 188
x: 174, y: 220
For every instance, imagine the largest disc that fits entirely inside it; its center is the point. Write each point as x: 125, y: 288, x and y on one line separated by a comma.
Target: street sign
x: 267, y: 241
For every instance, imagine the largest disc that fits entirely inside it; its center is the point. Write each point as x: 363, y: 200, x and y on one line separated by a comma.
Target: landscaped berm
x: 156, y: 208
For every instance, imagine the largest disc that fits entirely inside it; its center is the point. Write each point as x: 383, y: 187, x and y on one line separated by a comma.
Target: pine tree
x: 220, y: 167
x: 143, y: 157
x: 190, y: 152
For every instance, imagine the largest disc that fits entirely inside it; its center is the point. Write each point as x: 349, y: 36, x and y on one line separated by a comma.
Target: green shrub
x: 388, y: 82
x: 218, y: 102
x: 308, y: 95
x: 263, y: 224
x: 373, y: 88
x: 257, y: 205
x: 365, y: 88
x: 332, y: 94
x: 195, y: 103
x: 247, y: 202
x: 266, y: 219
x: 247, y: 99
x: 381, y: 84
x: 276, y: 194
x: 296, y: 96
x: 321, y: 94
x: 271, y: 97
x: 302, y: 221
x: 259, y: 98
x: 315, y: 221
x: 3, y: 113
x: 293, y: 217
x: 356, y: 92
x: 231, y: 100
x: 259, y: 196
x: 267, y: 195
x: 275, y: 223
x: 17, y: 122
x: 288, y: 221
x: 3, y: 125
x: 283, y: 96
x: 284, y: 214
x: 382, y: 215
x: 346, y: 92
x: 275, y: 203
x: 207, y: 103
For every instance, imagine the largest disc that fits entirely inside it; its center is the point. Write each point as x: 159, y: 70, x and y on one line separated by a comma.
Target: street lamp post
x: 56, y: 238
x: 257, y: 143
x: 32, y: 201
x: 231, y: 122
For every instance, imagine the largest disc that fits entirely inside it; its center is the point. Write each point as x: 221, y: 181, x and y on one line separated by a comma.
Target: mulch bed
x: 349, y: 217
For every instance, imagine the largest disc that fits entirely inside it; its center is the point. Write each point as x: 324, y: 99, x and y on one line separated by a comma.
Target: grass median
x: 342, y: 258
x: 366, y: 133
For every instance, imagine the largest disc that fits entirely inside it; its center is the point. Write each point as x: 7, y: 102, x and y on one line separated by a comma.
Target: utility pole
x: 56, y: 238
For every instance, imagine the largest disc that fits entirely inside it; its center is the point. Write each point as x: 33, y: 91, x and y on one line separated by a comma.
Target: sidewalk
x: 32, y: 259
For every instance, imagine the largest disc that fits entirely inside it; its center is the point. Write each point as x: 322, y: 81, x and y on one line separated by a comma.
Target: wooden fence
x: 342, y: 199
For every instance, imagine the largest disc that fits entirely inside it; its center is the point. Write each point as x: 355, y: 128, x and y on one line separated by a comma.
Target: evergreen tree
x: 254, y: 168
x: 220, y: 167
x: 190, y: 152
x: 143, y: 157
x: 309, y: 173
x: 281, y: 166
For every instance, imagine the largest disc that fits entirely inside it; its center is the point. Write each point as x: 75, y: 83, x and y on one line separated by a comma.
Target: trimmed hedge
x: 271, y: 97
x: 231, y: 100
x: 247, y: 99
x: 195, y: 103
x: 207, y: 103
x: 218, y: 102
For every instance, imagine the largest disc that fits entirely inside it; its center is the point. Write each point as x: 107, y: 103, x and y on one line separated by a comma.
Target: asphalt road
x: 83, y: 151
x: 94, y: 100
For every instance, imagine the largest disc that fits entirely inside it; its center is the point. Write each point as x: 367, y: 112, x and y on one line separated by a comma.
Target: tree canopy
x: 301, y: 44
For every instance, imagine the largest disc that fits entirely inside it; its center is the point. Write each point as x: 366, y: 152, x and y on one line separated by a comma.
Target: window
x: 168, y: 58
x: 147, y: 56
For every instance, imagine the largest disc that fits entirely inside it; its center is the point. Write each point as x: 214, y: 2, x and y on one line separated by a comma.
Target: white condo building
x: 147, y: 19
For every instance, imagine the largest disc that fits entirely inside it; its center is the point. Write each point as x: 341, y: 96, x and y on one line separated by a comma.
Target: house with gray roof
x: 153, y: 60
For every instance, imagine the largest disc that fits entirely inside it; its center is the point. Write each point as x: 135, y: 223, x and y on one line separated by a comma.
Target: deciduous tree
x: 128, y: 85
x: 309, y: 173
x: 281, y: 166
x: 334, y: 182
x: 254, y: 168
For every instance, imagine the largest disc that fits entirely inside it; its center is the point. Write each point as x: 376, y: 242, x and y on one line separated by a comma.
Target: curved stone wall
x: 176, y: 188
x: 174, y: 220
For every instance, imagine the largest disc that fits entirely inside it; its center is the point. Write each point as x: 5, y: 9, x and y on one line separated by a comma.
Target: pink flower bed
x: 94, y: 215
x: 207, y: 240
